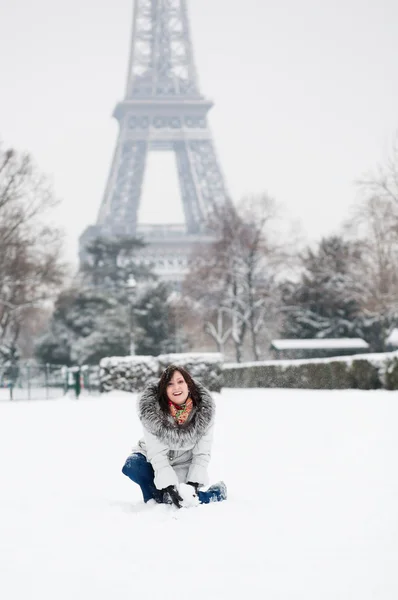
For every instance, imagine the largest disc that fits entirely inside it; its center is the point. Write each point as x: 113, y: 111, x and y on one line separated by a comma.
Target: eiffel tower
x: 163, y: 109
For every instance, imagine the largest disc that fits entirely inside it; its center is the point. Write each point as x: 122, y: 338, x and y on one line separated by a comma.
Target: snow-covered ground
x: 311, y: 515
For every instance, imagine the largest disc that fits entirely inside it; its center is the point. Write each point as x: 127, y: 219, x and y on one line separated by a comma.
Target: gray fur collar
x: 164, y: 426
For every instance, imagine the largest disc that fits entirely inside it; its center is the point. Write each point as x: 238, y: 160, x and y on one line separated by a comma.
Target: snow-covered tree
x: 115, y: 307
x: 234, y: 280
x: 87, y: 325
x: 110, y: 262
x: 326, y: 301
x: 373, y: 225
x: 154, y: 321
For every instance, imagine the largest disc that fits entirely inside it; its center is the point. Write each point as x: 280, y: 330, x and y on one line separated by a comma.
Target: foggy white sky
x: 306, y: 98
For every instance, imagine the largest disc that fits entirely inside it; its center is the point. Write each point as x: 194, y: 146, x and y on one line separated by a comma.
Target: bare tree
x: 31, y: 268
x: 204, y: 296
x: 373, y: 226
x: 374, y: 223
x: 262, y: 256
x: 218, y: 329
x: 235, y: 280
x: 383, y: 182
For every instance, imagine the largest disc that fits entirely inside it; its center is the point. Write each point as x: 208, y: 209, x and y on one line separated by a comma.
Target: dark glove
x: 171, y: 496
x: 194, y: 485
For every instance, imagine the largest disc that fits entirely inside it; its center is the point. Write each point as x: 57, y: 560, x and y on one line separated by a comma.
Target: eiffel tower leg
x: 194, y: 217
x: 201, y: 181
x: 119, y: 208
x: 207, y: 173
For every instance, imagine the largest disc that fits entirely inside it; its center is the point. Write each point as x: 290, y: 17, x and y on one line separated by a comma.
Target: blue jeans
x: 139, y: 470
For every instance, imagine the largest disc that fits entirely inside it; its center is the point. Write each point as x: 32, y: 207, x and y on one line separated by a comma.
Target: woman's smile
x: 177, y: 389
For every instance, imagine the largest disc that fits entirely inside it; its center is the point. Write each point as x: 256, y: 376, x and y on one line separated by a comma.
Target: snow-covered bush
x: 371, y: 371
x: 127, y: 373
x: 206, y: 367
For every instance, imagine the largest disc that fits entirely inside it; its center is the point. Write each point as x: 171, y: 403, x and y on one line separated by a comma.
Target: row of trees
x: 252, y: 287
x: 47, y: 313
x: 249, y: 285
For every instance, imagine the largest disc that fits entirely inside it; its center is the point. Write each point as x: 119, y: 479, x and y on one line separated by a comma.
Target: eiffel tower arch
x: 162, y: 109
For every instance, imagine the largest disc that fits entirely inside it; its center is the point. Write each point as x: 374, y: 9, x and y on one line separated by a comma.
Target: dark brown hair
x: 165, y: 380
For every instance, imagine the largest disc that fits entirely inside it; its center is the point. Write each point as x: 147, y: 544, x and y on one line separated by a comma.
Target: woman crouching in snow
x: 177, y: 416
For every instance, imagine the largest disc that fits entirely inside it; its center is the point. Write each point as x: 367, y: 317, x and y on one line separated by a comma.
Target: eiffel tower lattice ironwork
x: 163, y: 109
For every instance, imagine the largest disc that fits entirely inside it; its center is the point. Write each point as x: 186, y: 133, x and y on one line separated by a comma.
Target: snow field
x: 311, y: 514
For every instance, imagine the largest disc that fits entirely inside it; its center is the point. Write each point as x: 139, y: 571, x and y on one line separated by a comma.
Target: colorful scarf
x: 181, y: 413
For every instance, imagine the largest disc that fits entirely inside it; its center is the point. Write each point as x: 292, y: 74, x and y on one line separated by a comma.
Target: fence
x: 45, y: 382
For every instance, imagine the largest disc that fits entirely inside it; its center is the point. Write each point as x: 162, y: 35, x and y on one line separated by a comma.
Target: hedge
x: 365, y: 372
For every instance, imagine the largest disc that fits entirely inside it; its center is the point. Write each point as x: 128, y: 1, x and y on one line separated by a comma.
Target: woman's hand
x: 172, y: 493
x: 194, y: 485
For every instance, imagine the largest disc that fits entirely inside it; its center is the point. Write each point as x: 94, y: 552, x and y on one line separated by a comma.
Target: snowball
x: 187, y: 493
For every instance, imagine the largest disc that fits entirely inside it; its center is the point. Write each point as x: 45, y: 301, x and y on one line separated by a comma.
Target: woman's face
x: 177, y: 389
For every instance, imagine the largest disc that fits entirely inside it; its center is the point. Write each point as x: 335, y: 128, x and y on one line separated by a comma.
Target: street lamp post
x: 132, y: 342
x: 130, y: 286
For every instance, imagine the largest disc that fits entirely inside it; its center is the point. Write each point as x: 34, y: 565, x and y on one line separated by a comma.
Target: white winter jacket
x: 178, y: 453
